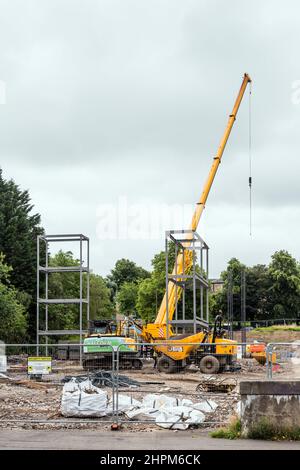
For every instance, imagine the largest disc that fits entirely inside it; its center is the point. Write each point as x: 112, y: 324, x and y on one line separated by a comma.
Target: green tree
x: 127, y: 271
x: 18, y: 232
x: 218, y: 300
x: 19, y: 228
x: 63, y: 286
x: 258, y: 283
x: 284, y: 272
x: 257, y: 292
x: 149, y: 295
x: 101, y: 305
x: 151, y: 290
x: 66, y: 285
x: 127, y: 298
x: 13, y: 316
x: 271, y: 291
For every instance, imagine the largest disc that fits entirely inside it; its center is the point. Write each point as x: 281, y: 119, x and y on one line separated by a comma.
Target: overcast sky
x: 128, y: 99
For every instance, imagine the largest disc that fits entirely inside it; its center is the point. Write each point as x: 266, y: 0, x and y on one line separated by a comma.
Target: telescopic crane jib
x: 157, y: 330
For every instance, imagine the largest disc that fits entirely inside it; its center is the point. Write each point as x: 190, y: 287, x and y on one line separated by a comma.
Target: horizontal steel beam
x: 62, y: 301
x: 189, y: 322
x: 61, y: 269
x: 65, y: 235
x: 60, y: 333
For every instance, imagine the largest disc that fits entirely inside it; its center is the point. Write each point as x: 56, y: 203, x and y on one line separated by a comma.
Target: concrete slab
x: 270, y: 387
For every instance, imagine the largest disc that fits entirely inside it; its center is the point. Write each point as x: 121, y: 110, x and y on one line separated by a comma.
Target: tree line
x: 272, y: 291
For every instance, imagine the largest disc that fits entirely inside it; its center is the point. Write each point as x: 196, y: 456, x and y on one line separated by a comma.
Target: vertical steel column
x: 80, y: 304
x: 229, y: 306
x: 46, y: 296
x: 269, y: 360
x: 37, y: 293
x: 201, y: 286
x: 194, y: 286
x: 176, y: 280
x: 207, y: 290
x: 243, y: 309
x: 167, y: 285
x: 183, y: 287
x: 88, y: 283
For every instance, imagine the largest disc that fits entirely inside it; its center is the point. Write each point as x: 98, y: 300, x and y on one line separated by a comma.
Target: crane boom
x: 183, y: 265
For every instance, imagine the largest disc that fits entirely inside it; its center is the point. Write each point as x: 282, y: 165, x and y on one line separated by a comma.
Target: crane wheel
x: 167, y: 365
x: 209, y: 365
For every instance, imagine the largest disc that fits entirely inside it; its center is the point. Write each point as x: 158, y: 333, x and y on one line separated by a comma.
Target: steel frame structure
x: 188, y: 241
x: 47, y: 270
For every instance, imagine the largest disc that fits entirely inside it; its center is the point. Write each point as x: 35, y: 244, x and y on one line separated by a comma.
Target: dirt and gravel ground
x: 282, y: 334
x: 36, y: 405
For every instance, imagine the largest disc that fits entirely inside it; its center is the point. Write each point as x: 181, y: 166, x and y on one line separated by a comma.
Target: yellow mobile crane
x: 172, y: 357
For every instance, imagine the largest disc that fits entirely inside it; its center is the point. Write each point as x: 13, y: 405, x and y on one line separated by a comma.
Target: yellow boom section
x: 183, y: 266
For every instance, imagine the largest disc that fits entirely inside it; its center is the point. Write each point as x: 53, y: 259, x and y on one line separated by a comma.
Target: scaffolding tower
x: 43, y: 242
x: 194, y: 282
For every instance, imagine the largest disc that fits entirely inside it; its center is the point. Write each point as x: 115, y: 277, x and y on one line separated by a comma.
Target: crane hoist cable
x: 250, y: 161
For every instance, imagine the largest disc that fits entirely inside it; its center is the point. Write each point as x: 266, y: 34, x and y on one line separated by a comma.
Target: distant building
x: 216, y: 285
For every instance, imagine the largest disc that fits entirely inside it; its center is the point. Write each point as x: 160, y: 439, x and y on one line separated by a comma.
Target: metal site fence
x: 33, y: 380
x: 170, y: 384
x: 283, y: 360
x: 252, y: 324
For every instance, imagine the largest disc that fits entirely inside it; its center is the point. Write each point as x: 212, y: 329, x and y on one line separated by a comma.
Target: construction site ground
x: 28, y: 404
x: 278, y: 334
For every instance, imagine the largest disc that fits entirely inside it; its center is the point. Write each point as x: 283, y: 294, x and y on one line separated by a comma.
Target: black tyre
x: 137, y: 364
x: 209, y: 365
x: 167, y: 365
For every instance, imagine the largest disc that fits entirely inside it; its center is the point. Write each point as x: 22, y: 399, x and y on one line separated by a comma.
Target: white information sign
x: 39, y: 365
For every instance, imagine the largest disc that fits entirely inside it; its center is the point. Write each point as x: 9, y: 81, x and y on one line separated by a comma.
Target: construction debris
x: 166, y: 412
x: 109, y: 379
x: 104, y: 379
x: 25, y: 382
x: 82, y: 399
x: 216, y: 385
x: 25, y: 403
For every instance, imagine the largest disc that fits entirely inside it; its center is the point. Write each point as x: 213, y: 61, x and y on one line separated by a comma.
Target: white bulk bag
x: 83, y: 400
x: 207, y: 406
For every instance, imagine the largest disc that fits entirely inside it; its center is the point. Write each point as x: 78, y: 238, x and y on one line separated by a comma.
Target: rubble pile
x: 23, y: 400
x: 82, y: 399
x: 216, y: 384
x: 104, y: 379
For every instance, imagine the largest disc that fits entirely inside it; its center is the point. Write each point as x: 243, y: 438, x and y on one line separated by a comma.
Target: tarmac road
x: 114, y: 440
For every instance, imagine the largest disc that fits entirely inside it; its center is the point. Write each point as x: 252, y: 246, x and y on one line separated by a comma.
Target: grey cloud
x: 109, y: 98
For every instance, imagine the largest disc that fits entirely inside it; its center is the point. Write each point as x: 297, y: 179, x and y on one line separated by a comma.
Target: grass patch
x: 263, y: 430
x: 265, y: 329
x: 269, y: 432
x: 233, y: 431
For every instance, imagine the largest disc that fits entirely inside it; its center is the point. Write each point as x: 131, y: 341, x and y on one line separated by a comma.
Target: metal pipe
x: 80, y: 305
x: 46, y: 296
x: 37, y: 293
x: 167, y: 285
